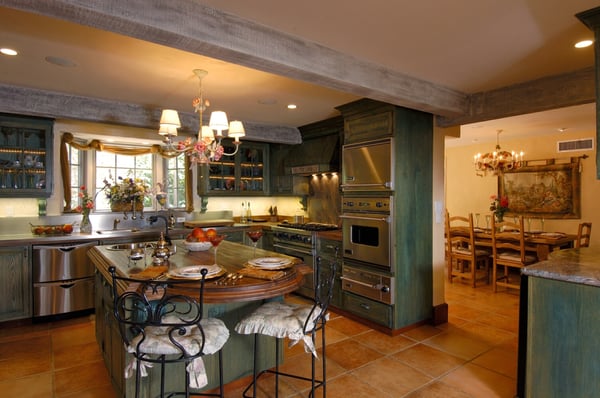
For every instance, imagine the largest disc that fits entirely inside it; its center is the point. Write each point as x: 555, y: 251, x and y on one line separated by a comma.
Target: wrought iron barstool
x: 161, y: 323
x: 298, y: 323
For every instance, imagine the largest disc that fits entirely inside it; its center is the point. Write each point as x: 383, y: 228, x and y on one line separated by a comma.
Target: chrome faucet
x: 116, y: 222
x: 153, y: 219
x: 133, y: 216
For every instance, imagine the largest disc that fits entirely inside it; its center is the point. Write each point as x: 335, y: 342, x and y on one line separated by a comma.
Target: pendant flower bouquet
x: 126, y: 191
x: 499, y: 206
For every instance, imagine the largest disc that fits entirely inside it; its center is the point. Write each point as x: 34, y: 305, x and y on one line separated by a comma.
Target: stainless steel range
x: 299, y: 240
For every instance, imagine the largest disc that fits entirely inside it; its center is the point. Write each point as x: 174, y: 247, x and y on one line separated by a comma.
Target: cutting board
x: 208, y: 223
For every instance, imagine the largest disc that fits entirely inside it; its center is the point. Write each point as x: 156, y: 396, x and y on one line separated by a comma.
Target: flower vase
x: 499, y: 217
x: 86, y: 225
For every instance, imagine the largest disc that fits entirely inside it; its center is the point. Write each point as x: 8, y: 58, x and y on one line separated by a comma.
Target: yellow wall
x: 466, y: 192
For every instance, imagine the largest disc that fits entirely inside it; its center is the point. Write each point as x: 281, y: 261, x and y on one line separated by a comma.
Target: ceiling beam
x: 539, y: 95
x: 195, y: 28
x: 35, y: 102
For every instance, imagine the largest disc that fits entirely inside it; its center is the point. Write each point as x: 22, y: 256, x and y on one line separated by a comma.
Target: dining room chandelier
x: 207, y: 146
x: 498, y: 161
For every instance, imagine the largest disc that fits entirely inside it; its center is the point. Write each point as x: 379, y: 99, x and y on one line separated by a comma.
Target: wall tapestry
x: 547, y: 190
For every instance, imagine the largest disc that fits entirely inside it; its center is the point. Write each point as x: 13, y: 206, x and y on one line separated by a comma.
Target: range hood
x: 315, y: 156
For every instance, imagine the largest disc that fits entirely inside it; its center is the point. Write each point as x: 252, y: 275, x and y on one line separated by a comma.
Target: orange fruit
x: 211, y: 232
x: 198, y: 233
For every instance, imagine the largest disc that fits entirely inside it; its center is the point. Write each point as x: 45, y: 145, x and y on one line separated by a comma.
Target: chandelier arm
x: 237, y: 146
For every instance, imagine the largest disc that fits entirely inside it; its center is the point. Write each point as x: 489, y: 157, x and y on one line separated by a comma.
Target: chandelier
x: 207, y: 147
x: 497, y: 162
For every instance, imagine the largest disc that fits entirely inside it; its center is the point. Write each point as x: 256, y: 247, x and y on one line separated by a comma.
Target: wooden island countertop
x: 230, y: 256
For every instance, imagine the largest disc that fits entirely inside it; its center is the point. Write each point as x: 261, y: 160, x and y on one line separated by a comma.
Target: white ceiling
x: 466, y: 45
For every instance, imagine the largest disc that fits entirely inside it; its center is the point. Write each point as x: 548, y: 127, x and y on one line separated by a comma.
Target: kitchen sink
x: 131, y: 246
x: 116, y: 231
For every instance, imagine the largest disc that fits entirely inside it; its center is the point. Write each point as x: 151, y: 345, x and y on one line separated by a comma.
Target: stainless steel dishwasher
x: 63, y: 279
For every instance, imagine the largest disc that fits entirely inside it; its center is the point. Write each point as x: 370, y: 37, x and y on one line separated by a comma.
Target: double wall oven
x: 367, y: 220
x: 300, y: 241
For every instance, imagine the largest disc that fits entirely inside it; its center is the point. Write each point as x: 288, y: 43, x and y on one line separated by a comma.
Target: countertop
x: 580, y: 266
x: 231, y: 257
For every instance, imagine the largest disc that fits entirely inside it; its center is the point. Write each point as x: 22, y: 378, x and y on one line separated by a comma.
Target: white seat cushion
x: 157, y: 343
x: 279, y: 319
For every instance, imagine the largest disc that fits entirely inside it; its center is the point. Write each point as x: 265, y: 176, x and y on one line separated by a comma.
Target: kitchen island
x: 559, y: 326
x: 229, y: 302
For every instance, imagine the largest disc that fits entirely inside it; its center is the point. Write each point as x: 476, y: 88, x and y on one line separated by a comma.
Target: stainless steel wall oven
x: 368, y: 166
x: 367, y: 230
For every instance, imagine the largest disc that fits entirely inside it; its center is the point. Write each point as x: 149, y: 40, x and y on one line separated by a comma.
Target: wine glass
x: 254, y: 236
x: 215, y: 240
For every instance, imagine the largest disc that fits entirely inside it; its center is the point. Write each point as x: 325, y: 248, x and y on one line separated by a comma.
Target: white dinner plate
x: 193, y: 271
x: 270, y: 262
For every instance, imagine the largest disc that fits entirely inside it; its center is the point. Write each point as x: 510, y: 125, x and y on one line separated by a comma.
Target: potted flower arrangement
x: 499, y: 206
x: 127, y: 192
x: 86, y: 206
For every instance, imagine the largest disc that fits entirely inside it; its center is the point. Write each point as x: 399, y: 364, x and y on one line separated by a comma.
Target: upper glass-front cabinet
x: 244, y: 173
x: 25, y: 156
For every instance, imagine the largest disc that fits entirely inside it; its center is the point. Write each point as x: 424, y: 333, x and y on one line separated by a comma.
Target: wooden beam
x: 543, y: 94
x: 193, y: 27
x: 35, y: 102
x: 591, y: 19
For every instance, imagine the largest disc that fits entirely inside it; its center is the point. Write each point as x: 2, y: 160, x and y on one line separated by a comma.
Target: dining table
x: 540, y: 242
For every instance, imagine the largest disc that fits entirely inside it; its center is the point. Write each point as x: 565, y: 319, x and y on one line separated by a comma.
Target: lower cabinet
x: 368, y: 309
x: 326, y: 249
x: 15, y: 283
x: 107, y: 333
x: 561, y: 322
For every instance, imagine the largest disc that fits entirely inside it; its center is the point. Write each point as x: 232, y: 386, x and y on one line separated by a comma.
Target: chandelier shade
x: 207, y: 146
x: 498, y: 161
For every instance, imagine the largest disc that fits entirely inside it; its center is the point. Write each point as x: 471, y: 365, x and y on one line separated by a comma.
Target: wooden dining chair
x: 463, y: 256
x: 509, y: 251
x: 583, y: 234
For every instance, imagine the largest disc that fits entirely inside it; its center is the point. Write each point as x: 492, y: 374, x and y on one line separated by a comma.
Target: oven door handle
x: 387, y: 184
x: 287, y: 249
x: 379, y: 286
x: 348, y: 217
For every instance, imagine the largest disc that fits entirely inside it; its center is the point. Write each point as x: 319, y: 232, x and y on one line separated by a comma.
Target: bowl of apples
x: 197, y: 240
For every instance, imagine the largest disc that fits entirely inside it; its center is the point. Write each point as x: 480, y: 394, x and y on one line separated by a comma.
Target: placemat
x: 262, y: 274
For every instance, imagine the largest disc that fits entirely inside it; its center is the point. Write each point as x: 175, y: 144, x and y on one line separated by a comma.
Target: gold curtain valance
x: 68, y: 139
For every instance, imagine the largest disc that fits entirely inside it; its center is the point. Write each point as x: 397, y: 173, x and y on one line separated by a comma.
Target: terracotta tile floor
x: 473, y: 355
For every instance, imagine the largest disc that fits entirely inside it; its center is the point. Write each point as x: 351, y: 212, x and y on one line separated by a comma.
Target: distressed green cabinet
x: 562, y: 327
x: 15, y: 283
x: 247, y: 172
x: 25, y: 156
x: 412, y: 265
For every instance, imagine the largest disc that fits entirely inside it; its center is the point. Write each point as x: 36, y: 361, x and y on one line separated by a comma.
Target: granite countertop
x: 109, y: 236
x: 580, y: 266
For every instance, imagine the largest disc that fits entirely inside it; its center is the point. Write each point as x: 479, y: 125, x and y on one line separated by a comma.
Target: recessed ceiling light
x: 58, y: 61
x: 8, y: 51
x: 292, y: 106
x: 562, y: 129
x: 583, y: 43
